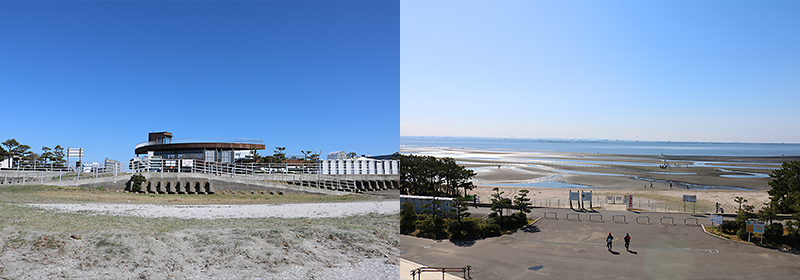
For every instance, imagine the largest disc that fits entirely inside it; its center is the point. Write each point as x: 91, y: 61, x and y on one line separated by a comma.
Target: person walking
x: 627, y: 241
x: 608, y: 241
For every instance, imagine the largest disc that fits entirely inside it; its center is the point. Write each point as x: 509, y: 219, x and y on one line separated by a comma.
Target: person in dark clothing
x: 627, y: 241
x: 608, y: 241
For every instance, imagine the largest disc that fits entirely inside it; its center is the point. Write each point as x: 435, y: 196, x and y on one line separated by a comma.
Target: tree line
x: 279, y: 155
x: 22, y: 154
x: 431, y: 176
x: 443, y: 177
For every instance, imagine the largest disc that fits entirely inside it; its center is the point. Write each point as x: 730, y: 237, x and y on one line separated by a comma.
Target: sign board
x: 574, y: 195
x: 587, y: 196
x: 689, y: 198
x: 187, y: 162
x: 629, y: 200
x: 75, y: 152
x: 619, y: 198
x: 716, y: 219
x: 610, y: 198
x: 755, y: 226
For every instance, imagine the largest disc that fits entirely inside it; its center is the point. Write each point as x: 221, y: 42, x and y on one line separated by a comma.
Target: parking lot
x: 570, y: 245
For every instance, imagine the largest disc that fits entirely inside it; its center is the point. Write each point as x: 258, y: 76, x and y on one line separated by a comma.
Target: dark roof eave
x: 198, y: 146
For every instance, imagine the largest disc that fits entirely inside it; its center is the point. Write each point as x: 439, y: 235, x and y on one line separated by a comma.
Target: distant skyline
x: 305, y: 75
x: 706, y: 71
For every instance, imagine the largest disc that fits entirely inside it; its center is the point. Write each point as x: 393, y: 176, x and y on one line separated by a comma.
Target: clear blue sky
x: 630, y: 70
x: 321, y: 75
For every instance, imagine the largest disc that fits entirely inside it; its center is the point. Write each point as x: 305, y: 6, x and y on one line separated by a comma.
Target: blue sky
x: 724, y: 71
x: 321, y: 75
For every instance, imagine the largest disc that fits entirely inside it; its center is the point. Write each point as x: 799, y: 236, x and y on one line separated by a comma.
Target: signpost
x: 629, y: 201
x: 716, y: 219
x: 74, y: 153
x: 689, y: 198
x: 586, y: 196
x: 576, y: 196
x: 755, y: 227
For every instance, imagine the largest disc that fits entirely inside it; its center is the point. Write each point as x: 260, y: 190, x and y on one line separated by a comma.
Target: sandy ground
x: 351, y: 240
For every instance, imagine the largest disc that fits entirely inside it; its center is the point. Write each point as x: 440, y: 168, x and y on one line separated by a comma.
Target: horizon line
x: 607, y: 139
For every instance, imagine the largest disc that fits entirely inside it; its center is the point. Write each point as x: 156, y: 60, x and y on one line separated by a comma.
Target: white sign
x: 716, y: 219
x: 574, y: 195
x: 629, y: 200
x: 75, y: 152
x: 587, y: 196
x: 689, y: 198
x: 619, y: 198
x: 187, y: 162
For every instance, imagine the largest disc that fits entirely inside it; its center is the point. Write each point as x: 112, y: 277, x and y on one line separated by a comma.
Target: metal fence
x: 641, y: 204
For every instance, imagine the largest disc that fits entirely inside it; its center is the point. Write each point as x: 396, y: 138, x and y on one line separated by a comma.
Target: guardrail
x: 576, y: 214
x: 696, y: 222
x: 671, y: 220
x: 596, y: 215
x: 555, y: 215
x: 418, y: 271
x: 624, y: 219
x: 648, y: 219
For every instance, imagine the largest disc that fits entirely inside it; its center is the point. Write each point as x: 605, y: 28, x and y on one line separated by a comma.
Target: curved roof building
x: 161, y: 144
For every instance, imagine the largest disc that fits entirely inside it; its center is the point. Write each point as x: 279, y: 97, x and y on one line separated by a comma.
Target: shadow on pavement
x: 614, y: 252
x: 632, y: 252
x: 463, y: 242
x: 530, y: 229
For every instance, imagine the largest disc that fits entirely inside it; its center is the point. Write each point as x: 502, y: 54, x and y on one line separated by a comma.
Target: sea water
x: 622, y: 147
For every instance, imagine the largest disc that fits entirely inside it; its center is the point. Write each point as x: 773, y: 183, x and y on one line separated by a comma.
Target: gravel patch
x: 306, y: 210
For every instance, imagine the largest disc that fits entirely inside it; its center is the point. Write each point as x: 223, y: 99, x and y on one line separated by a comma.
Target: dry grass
x: 41, y: 244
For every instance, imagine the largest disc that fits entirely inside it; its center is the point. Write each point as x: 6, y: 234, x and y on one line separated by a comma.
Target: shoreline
x: 551, y: 175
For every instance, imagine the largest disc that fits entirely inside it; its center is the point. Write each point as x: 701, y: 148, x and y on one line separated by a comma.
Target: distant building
x: 90, y: 167
x: 364, y: 166
x: 111, y: 165
x: 337, y: 155
x: 224, y: 150
x: 426, y: 202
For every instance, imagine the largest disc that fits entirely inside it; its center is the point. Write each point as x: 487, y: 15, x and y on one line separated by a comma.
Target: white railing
x: 305, y: 173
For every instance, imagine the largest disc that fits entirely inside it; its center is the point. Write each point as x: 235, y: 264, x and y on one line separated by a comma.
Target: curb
x: 723, y: 238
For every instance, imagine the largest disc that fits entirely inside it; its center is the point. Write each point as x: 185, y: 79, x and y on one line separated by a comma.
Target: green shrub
x: 468, y: 229
x: 137, y: 180
x: 742, y: 233
x: 408, y: 218
x: 490, y: 229
x: 773, y: 232
x: 519, y: 219
x: 431, y: 227
x: 793, y: 238
x: 729, y: 227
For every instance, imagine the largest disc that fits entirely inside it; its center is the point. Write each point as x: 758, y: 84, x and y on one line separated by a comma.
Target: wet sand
x: 712, y: 179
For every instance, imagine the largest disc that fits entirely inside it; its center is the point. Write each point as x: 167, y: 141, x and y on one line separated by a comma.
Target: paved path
x: 572, y: 249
